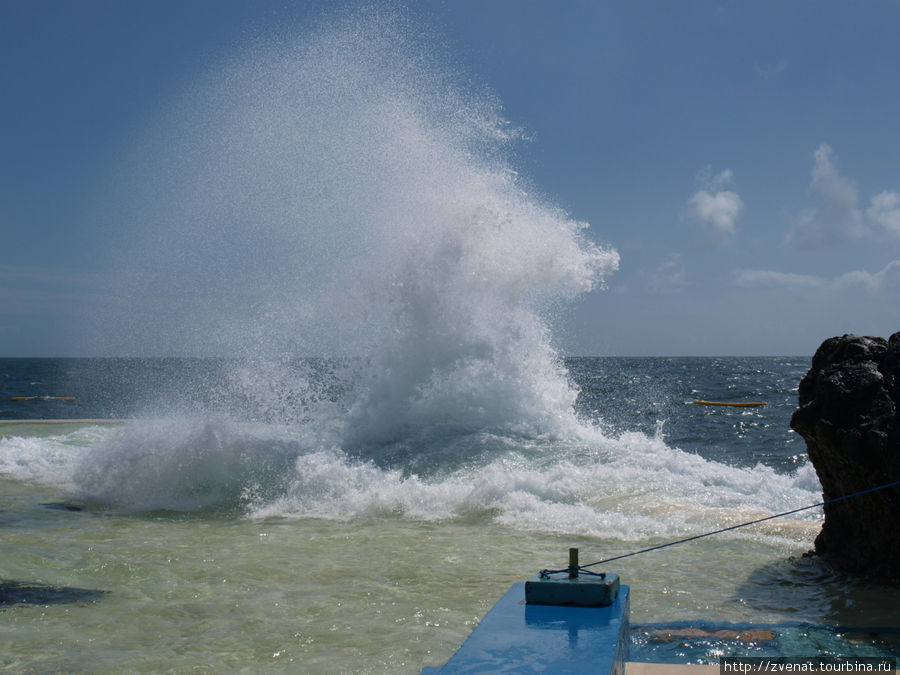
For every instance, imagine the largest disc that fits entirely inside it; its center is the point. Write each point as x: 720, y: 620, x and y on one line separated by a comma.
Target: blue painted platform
x: 520, y: 638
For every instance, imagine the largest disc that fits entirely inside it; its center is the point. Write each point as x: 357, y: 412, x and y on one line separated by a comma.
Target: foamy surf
x: 630, y: 488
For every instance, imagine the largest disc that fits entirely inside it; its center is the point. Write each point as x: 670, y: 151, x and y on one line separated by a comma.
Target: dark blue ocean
x: 653, y: 396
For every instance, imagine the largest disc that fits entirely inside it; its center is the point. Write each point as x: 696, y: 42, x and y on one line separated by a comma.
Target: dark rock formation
x: 848, y: 415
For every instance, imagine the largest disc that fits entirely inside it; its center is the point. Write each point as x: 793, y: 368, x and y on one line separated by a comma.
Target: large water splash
x: 344, y: 194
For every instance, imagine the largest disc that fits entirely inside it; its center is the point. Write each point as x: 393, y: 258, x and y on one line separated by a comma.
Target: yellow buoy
x: 44, y: 398
x: 748, y: 404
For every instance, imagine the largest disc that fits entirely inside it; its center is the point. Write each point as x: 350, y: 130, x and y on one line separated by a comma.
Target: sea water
x: 218, y: 542
x: 388, y: 435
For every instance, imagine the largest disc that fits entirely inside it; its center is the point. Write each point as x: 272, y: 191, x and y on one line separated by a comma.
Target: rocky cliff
x: 848, y: 415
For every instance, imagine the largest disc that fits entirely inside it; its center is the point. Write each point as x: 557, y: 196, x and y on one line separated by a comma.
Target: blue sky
x: 742, y: 157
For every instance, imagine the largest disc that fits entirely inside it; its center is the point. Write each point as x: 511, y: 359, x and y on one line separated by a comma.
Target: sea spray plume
x: 344, y: 194
x: 472, y: 347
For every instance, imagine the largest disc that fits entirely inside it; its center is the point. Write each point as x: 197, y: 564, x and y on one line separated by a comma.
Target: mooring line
x: 735, y: 527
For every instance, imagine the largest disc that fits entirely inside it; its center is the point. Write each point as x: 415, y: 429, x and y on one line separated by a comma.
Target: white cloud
x: 719, y: 181
x: 884, y: 212
x: 772, y: 279
x: 720, y: 210
x: 716, y: 207
x: 838, y: 216
x: 768, y: 72
x: 838, y: 192
x: 886, y: 278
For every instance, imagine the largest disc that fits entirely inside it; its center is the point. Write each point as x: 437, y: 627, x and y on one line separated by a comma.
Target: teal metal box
x: 585, y: 590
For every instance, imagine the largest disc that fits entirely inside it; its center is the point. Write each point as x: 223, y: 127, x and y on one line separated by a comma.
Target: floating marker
x: 43, y: 398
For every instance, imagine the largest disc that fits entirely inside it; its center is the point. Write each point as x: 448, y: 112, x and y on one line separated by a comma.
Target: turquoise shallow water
x: 213, y: 541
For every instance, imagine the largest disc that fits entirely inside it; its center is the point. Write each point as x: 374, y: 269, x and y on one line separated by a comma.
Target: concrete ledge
x: 636, y: 668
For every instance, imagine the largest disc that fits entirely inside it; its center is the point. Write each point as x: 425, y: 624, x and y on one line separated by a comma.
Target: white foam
x: 184, y: 465
x: 631, y: 487
x: 47, y: 459
x: 646, y: 490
